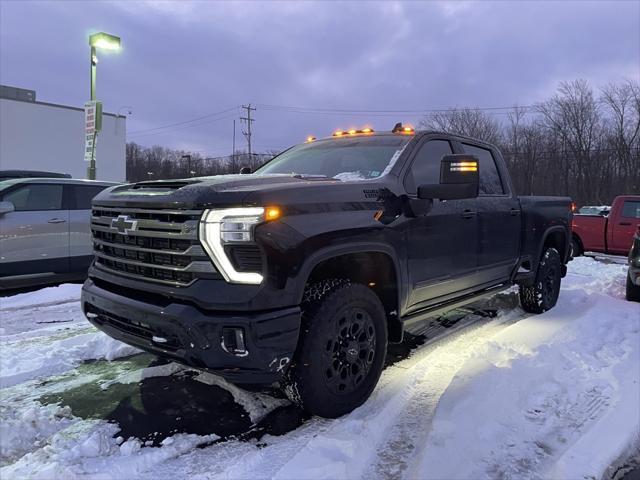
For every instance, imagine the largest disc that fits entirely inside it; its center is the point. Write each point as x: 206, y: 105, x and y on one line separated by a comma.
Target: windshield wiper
x: 307, y: 175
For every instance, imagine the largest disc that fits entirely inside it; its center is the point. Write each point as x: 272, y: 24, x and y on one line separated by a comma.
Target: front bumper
x: 194, y: 337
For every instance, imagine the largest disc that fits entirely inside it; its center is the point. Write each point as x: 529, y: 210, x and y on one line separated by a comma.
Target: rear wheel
x: 633, y: 291
x: 543, y: 294
x: 576, y: 248
x: 341, y: 350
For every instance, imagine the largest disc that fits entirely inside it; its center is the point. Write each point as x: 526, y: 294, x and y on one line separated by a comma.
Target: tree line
x: 159, y: 163
x: 579, y: 143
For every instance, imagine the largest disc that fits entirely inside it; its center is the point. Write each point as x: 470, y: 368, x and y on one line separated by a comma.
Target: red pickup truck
x: 607, y: 234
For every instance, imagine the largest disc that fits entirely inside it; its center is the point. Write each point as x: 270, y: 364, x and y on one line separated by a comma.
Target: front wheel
x: 341, y: 351
x: 543, y: 294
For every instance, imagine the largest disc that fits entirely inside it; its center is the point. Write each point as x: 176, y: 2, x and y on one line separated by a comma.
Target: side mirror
x: 245, y: 170
x: 459, y: 178
x: 6, y: 207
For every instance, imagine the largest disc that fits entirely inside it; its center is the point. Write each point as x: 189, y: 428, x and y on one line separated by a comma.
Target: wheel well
x: 557, y: 240
x: 578, y: 239
x: 374, y: 269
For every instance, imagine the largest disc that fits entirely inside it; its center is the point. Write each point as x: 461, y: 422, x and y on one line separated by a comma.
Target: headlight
x: 230, y: 225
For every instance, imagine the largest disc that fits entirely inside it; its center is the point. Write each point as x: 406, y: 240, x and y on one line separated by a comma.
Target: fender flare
x: 563, y: 255
x: 327, y: 253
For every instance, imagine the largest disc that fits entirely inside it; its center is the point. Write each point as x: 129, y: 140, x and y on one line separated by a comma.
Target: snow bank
x: 26, y: 360
x: 67, y: 292
x: 90, y: 448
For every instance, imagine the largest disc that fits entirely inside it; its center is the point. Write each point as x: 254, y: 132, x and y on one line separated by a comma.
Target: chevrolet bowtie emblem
x: 124, y: 224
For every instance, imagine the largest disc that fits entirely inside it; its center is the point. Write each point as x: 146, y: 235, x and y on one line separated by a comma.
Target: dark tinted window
x: 426, y: 166
x: 36, y: 197
x: 83, y: 196
x: 631, y: 209
x: 490, y: 183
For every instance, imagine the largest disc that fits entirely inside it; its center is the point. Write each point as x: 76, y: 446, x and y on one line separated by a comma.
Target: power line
x: 339, y: 111
x: 182, y: 127
x: 184, y: 122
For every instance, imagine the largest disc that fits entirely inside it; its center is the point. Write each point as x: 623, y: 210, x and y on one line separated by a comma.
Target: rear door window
x: 37, y: 197
x: 490, y: 182
x: 631, y: 209
x: 83, y: 194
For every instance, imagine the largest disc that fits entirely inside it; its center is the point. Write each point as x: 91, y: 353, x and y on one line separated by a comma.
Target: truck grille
x: 153, y: 245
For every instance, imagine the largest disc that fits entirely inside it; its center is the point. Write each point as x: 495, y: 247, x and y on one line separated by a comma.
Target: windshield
x: 357, y: 158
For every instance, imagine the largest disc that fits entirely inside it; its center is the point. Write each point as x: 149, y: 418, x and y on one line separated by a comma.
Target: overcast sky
x: 181, y: 61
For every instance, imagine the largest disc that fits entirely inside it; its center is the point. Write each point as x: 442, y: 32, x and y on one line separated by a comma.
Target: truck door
x: 623, y: 226
x: 499, y: 221
x: 442, y: 245
x: 34, y: 239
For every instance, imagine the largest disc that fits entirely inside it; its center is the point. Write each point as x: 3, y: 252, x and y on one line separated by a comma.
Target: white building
x: 45, y: 136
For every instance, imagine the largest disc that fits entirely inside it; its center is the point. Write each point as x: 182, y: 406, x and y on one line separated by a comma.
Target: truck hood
x: 221, y: 191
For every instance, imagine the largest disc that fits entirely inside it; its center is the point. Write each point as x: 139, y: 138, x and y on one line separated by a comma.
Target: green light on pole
x: 103, y: 41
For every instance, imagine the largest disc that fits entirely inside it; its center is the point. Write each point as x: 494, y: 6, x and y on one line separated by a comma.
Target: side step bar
x: 439, y: 308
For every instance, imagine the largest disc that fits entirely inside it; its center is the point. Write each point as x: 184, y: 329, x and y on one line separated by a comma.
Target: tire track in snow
x: 395, y: 455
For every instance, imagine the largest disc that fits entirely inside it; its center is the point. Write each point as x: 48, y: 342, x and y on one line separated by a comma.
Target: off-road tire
x: 543, y: 294
x: 341, y: 350
x: 633, y: 291
x: 576, y: 248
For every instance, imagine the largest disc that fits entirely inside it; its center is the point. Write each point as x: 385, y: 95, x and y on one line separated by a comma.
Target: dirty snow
x: 516, y: 396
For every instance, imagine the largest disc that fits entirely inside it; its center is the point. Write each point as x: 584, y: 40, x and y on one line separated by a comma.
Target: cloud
x: 182, y: 60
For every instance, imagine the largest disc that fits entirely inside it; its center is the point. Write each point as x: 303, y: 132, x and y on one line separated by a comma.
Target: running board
x: 437, y: 309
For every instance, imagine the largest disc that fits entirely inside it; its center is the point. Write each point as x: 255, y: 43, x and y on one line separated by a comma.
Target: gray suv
x: 44, y: 230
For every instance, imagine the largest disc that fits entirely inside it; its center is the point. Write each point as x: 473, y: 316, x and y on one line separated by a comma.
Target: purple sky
x: 186, y: 60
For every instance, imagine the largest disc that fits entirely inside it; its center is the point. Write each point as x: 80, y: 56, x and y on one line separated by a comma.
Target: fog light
x: 233, y: 341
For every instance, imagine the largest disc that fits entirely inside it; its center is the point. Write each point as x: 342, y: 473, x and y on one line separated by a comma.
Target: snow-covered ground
x: 516, y: 396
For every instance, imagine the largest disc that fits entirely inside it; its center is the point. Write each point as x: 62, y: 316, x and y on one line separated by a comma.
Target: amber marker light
x: 367, y: 130
x: 352, y: 132
x: 272, y: 213
x: 338, y: 133
x: 310, y: 138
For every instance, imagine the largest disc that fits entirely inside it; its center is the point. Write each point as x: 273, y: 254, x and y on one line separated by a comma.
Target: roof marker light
x: 310, y: 138
x: 338, y: 133
x: 399, y: 128
x: 352, y: 132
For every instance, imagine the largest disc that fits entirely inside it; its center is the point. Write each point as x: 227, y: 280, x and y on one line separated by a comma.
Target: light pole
x: 106, y: 42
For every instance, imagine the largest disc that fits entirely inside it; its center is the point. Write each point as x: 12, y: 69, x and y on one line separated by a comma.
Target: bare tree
x: 468, y: 122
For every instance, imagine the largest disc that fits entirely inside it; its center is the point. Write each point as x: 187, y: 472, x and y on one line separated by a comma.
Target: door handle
x: 468, y: 214
x: 625, y: 224
x: 514, y: 211
x: 57, y: 220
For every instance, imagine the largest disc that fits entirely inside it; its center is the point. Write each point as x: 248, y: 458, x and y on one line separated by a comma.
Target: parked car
x: 633, y: 276
x: 591, y: 210
x: 302, y: 272
x: 11, y: 174
x: 44, y: 230
x: 612, y: 234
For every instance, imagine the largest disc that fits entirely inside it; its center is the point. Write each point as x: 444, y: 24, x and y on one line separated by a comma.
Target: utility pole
x: 233, y: 152
x: 188, y: 159
x: 247, y: 133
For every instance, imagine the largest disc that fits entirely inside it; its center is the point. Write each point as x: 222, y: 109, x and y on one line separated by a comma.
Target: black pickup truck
x: 300, y: 273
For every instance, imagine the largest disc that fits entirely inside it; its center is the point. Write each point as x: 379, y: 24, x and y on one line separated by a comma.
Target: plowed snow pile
x: 516, y: 396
